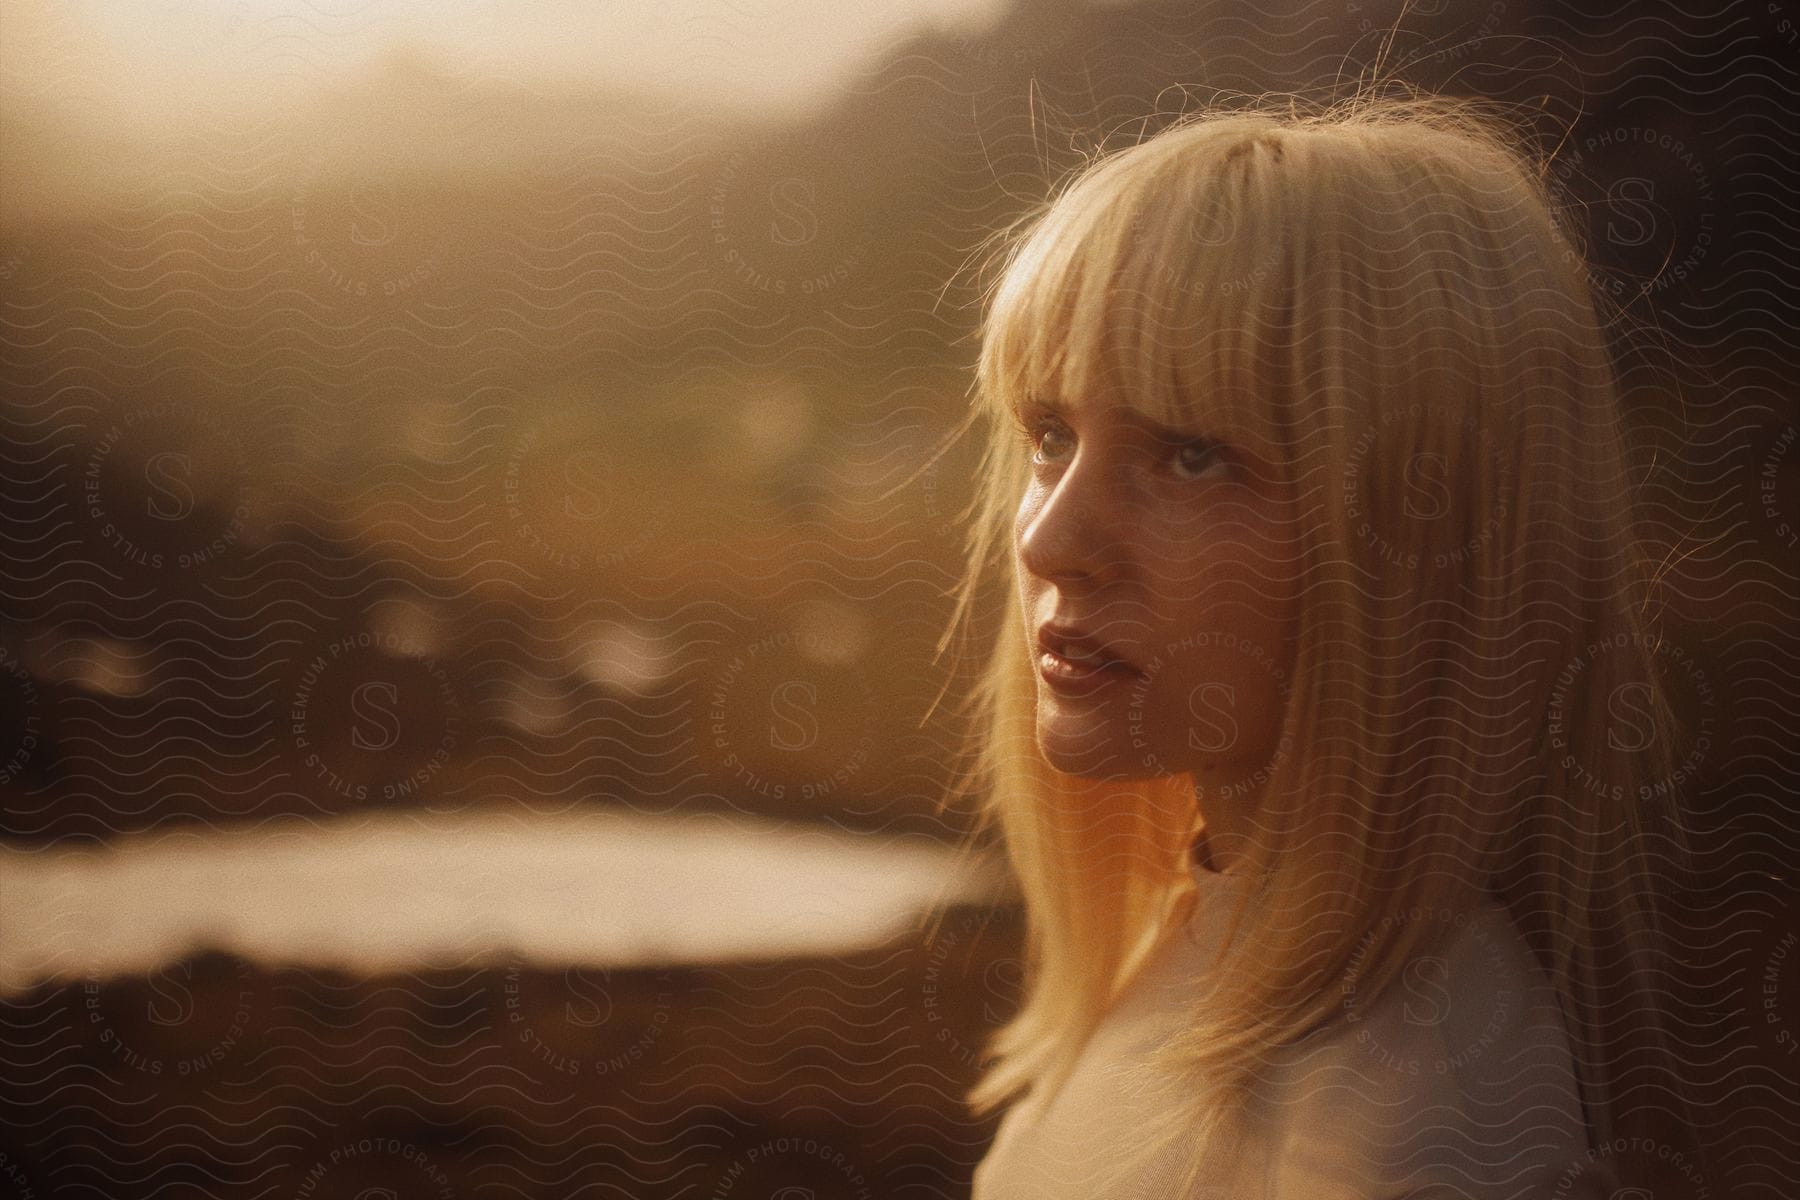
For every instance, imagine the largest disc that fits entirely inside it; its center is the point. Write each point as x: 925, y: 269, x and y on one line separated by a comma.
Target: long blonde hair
x: 1383, y: 288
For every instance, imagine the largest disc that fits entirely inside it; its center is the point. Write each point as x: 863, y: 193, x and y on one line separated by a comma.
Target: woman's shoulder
x: 1458, y: 1075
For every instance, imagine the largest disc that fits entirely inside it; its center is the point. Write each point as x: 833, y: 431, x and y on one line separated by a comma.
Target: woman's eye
x: 1041, y: 439
x: 1198, y: 457
x: 1048, y: 442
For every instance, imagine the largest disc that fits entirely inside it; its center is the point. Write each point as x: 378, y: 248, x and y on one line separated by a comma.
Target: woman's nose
x: 1072, y: 529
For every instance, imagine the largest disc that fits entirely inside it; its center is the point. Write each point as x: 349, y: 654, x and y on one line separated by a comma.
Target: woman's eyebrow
x: 1164, y: 432
x: 1154, y: 428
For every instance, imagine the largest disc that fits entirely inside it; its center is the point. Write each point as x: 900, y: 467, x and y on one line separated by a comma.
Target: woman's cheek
x: 1170, y: 528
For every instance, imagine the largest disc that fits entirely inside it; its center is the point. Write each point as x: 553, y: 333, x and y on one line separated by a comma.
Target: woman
x: 1323, y: 727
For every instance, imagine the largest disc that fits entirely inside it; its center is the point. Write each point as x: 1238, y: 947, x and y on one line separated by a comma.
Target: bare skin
x: 1175, y: 555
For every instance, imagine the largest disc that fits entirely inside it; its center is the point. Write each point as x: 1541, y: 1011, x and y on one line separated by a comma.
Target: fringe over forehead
x: 1208, y: 277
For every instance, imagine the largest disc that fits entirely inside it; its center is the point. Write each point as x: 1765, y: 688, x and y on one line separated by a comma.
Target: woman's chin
x: 1095, y: 758
x: 1097, y: 742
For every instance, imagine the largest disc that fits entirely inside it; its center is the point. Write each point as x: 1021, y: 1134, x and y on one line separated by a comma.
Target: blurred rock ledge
x: 213, y: 1076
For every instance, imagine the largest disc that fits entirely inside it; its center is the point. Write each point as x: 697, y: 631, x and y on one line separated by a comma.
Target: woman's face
x: 1174, y: 560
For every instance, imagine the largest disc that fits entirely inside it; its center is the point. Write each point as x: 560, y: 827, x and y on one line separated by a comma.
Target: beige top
x: 1458, y: 1081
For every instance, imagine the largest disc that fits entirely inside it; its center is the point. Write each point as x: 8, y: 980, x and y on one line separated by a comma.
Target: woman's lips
x: 1069, y: 678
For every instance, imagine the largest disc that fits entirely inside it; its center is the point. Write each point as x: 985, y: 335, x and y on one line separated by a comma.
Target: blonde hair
x: 1383, y: 289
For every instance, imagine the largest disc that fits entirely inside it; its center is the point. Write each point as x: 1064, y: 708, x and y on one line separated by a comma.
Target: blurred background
x: 480, y: 501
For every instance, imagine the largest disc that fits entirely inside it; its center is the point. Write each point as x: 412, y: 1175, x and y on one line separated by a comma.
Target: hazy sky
x: 167, y: 58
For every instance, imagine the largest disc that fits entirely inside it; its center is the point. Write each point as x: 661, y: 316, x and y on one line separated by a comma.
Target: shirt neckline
x: 1207, y: 878
x: 1213, y: 880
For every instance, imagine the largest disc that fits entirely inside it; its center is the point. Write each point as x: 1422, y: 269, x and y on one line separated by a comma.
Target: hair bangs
x: 1178, y: 312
